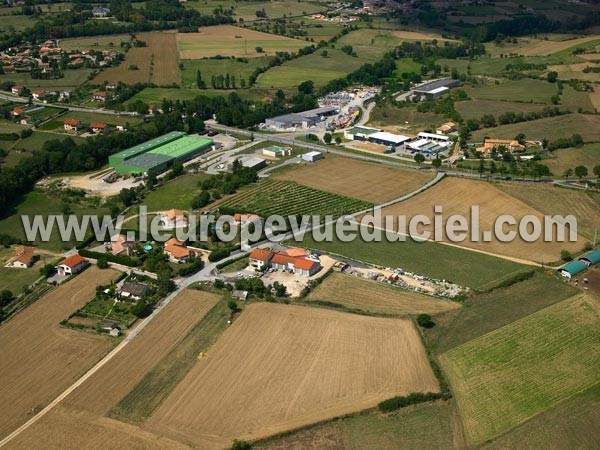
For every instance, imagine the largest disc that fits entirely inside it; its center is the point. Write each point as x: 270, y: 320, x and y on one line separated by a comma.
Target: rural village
x: 158, y: 114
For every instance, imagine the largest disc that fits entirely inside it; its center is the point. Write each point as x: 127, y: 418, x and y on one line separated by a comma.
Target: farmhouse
x: 72, y: 125
x: 134, y: 290
x: 71, y: 265
x: 120, y: 245
x: 112, y: 329
x: 24, y: 258
x: 17, y: 89
x: 446, y: 128
x: 298, y: 265
x: 434, y: 89
x: 178, y: 250
x: 17, y: 112
x: 38, y: 95
x: 275, y: 151
x: 239, y: 295
x: 99, y: 128
x: 173, y: 218
x: 511, y: 145
x: 101, y: 96
x: 572, y: 269
x: 259, y: 258
x: 312, y: 156
x: 389, y: 139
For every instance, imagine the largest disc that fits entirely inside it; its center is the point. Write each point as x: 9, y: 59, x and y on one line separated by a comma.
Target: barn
x: 572, y: 269
x: 312, y: 156
x: 591, y: 258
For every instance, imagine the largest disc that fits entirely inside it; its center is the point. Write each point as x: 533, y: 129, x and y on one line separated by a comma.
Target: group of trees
x: 581, y: 172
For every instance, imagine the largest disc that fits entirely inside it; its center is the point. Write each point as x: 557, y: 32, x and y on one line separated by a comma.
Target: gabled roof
x: 299, y: 263
x: 98, y: 125
x: 23, y: 254
x: 73, y: 122
x: 260, y: 254
x: 72, y: 261
x: 593, y: 257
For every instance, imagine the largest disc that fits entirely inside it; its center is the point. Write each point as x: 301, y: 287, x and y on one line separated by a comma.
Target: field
x: 575, y: 101
x: 412, y: 428
x: 569, y: 158
x: 247, y: 10
x: 511, y: 374
x: 39, y: 358
x: 318, y: 364
x: 177, y: 193
x: 405, y: 120
x: 72, y: 79
x: 487, y: 312
x: 475, y: 270
x: 157, y: 63
x: 555, y: 200
x: 79, y: 417
x: 23, y: 148
x: 525, y: 90
x: 474, y: 109
x: 551, y: 128
x: 357, y: 179
x: 38, y: 202
x: 573, y: 423
x: 110, y: 119
x: 228, y: 40
x: 214, y: 67
x: 417, y: 36
x: 372, y: 297
x: 456, y: 196
x: 538, y: 47
x: 107, y: 42
x: 15, y: 280
x: 286, y: 198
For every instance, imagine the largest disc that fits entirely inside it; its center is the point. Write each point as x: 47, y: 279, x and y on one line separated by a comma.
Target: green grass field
x: 160, y: 381
x: 416, y: 427
x: 40, y: 203
x: 17, y: 22
x: 247, y: 10
x: 526, y: 90
x: 486, y: 312
x: 108, y: 42
x: 573, y: 423
x: 464, y: 267
x: 474, y: 109
x: 519, y: 370
x: 575, y: 101
x: 551, y: 128
x: 210, y: 67
x: 408, y: 117
x: 23, y: 148
x: 16, y: 280
x: 177, y: 193
x: 72, y: 79
x: 569, y: 158
x: 285, y: 198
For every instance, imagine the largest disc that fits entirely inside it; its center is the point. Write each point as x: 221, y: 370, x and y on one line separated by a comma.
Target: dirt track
x: 282, y: 366
x: 40, y: 359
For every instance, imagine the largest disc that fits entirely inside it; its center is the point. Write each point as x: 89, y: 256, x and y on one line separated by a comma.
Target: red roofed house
x: 38, y: 94
x: 101, y: 96
x: 260, y: 258
x: 120, y: 245
x: 17, y: 89
x: 178, y: 251
x: 71, y: 265
x: 72, y: 125
x: 17, y: 112
x: 173, y: 218
x: 23, y: 258
x: 99, y: 127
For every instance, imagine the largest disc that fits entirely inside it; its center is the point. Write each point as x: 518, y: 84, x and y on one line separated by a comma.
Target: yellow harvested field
x: 538, y: 47
x: 456, y: 196
x: 370, y: 296
x: 595, y: 98
x: 39, y: 358
x: 79, y: 421
x: 229, y: 40
x: 417, y: 36
x: 156, y: 63
x: 280, y: 367
x: 369, y: 146
x: 363, y: 180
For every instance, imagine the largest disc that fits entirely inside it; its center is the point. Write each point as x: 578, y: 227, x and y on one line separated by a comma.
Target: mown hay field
x: 229, y: 40
x: 39, y: 358
x: 525, y: 90
x: 516, y: 372
x: 371, y: 182
x: 550, y: 199
x: 286, y: 198
x: 156, y: 63
x: 372, y: 297
x: 280, y: 367
x: 456, y: 196
x: 80, y: 419
x: 538, y: 47
x: 474, y: 109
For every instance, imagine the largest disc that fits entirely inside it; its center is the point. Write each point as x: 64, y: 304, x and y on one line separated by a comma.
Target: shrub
x: 424, y: 321
x: 395, y: 403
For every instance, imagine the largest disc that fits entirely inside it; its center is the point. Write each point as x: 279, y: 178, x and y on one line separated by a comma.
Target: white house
x: 71, y: 265
x: 23, y: 258
x: 173, y: 218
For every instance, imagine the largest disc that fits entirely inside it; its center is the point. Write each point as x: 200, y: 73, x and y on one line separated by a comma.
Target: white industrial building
x: 312, y: 156
x: 431, y: 90
x: 253, y: 163
x: 389, y: 139
x: 434, y: 137
x: 305, y: 119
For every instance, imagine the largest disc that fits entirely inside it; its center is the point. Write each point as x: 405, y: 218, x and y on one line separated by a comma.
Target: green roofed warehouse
x: 572, y: 269
x: 159, y: 154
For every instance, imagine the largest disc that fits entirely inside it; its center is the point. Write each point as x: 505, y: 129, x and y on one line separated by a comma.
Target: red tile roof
x: 299, y: 263
x: 72, y: 261
x: 260, y: 254
x: 72, y: 122
x: 97, y: 125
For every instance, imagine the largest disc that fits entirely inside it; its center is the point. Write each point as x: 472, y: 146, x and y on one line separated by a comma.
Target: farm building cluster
x: 291, y: 260
x: 430, y: 145
x: 157, y: 155
x: 583, y: 263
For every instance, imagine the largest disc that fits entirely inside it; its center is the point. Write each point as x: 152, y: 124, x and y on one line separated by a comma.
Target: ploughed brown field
x: 280, y: 367
x: 457, y: 195
x: 370, y: 296
x: 38, y: 358
x: 156, y: 63
x: 367, y: 181
x: 80, y: 420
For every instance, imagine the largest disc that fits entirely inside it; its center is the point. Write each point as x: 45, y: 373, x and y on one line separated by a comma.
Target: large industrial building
x: 304, y: 119
x: 434, y: 89
x: 157, y: 155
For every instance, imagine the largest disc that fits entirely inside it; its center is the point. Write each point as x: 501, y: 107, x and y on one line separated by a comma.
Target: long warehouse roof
x: 149, y: 145
x: 146, y: 161
x: 182, y: 146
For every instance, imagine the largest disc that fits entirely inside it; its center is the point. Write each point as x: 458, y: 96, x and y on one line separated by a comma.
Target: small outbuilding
x: 312, y: 156
x: 572, y: 269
